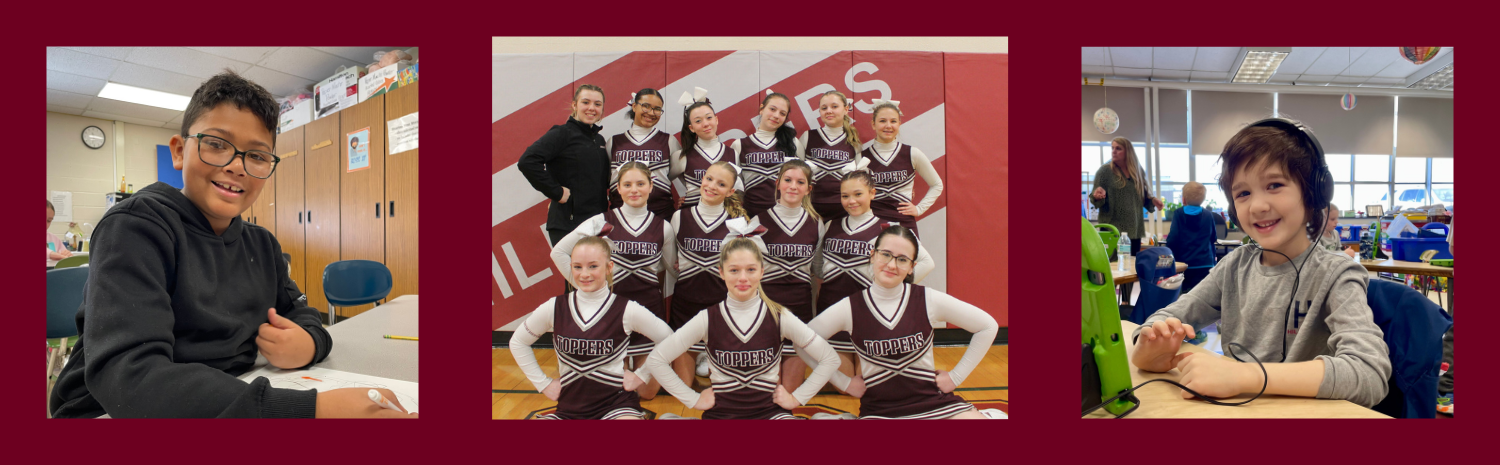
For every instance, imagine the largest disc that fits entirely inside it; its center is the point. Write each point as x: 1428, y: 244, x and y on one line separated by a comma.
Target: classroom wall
x: 91, y: 173
x: 611, y: 44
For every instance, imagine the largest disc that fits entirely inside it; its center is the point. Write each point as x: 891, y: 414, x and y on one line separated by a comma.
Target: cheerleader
x: 892, y: 328
x: 700, y: 230
x: 591, y: 328
x: 640, y: 239
x: 646, y: 144
x: 894, y: 166
x: 793, y: 230
x: 845, y: 256
x: 829, y: 150
x: 700, y: 146
x: 761, y: 154
x: 743, y: 334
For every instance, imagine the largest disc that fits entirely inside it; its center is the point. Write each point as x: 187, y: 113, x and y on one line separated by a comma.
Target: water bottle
x: 1122, y: 250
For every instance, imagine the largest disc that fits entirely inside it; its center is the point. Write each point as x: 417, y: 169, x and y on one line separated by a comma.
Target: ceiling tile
x: 1283, y: 77
x: 306, y: 63
x: 1170, y: 74
x: 68, y: 99
x: 64, y: 110
x: 1350, y: 79
x: 249, y: 55
x: 1218, y: 59
x: 177, y: 119
x: 1093, y: 56
x: 132, y: 74
x: 113, y: 53
x: 1305, y: 80
x: 1130, y: 57
x: 1316, y: 77
x: 128, y: 119
x: 1173, y: 57
x: 74, y: 83
x: 280, y: 84
x: 1399, y: 68
x: 1371, y: 63
x: 1208, y: 76
x: 1300, y: 59
x: 1383, y: 80
x: 116, y: 107
x: 1132, y: 72
x: 1333, y: 61
x: 363, y: 55
x: 184, y: 61
x: 82, y: 64
x: 171, y: 125
x: 1094, y: 71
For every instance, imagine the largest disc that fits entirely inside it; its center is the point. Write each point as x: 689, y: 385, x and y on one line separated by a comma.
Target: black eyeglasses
x: 651, y: 109
x: 216, y: 151
x: 901, y: 260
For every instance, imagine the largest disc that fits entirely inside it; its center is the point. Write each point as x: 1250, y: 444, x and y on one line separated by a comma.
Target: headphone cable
x: 1264, y: 376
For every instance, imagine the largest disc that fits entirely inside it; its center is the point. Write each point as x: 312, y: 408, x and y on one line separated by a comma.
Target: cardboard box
x: 385, y: 80
x: 300, y: 114
x: 338, y: 92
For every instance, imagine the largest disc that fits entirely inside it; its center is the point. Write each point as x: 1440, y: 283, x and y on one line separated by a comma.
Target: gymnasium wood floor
x: 515, y: 398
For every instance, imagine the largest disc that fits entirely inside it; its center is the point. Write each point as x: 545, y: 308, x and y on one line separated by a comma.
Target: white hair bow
x: 862, y: 165
x: 769, y: 92
x: 894, y: 103
x: 698, y: 94
x: 740, y: 227
x: 632, y: 97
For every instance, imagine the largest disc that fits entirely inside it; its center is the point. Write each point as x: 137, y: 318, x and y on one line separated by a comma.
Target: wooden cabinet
x: 401, y: 200
x: 362, y: 192
x: 289, y: 195
x: 321, y: 176
x: 264, y: 210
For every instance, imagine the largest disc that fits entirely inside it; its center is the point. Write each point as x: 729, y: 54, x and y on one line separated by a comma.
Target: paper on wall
x: 323, y: 379
x: 62, y: 202
x: 403, y: 133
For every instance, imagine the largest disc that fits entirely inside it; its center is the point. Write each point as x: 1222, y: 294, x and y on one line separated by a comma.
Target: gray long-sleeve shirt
x: 1330, y: 319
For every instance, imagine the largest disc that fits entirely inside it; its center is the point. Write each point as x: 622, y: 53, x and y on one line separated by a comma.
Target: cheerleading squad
x: 773, y: 230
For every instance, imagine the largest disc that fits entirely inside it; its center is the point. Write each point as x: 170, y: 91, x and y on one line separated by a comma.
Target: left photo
x: 232, y: 232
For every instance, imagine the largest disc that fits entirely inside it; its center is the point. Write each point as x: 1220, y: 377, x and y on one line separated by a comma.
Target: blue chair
x: 1414, y: 328
x: 1151, y: 264
x: 64, y: 297
x: 348, y: 283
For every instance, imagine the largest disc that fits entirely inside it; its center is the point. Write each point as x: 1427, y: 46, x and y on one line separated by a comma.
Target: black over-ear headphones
x: 1317, y: 192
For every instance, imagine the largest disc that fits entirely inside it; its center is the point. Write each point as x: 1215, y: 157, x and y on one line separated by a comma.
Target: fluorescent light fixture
x: 1259, y: 64
x: 1441, y: 79
x: 124, y: 93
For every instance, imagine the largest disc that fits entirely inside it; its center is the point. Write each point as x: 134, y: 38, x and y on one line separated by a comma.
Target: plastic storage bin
x: 1410, y: 249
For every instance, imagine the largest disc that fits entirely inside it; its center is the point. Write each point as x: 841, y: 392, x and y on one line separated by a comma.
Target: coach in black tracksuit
x: 570, y: 155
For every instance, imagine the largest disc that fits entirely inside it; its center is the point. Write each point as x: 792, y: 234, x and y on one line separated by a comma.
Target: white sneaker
x: 702, y: 369
x: 994, y: 414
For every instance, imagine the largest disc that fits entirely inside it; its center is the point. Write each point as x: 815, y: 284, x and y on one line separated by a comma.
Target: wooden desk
x: 1405, y: 267
x: 1162, y: 400
x: 1128, y: 276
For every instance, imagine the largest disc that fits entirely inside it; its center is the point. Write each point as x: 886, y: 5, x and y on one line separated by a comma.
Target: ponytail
x: 733, y: 206
x: 849, y: 130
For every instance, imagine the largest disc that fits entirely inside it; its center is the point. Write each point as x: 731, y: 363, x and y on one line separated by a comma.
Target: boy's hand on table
x: 356, y: 403
x: 285, y: 344
x: 1157, y: 345
x: 1216, y: 376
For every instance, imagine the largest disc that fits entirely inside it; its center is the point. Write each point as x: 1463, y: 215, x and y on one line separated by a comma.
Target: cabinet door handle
x: 377, y: 209
x: 299, y: 217
x: 309, y: 217
x: 391, y: 211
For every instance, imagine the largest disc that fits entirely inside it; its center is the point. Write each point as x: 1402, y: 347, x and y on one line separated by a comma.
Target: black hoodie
x: 170, y: 315
x: 569, y: 155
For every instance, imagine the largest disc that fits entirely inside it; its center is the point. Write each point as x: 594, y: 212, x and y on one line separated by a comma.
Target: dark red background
x: 456, y: 40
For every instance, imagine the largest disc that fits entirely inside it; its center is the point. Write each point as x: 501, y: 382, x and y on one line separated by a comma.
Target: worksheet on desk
x: 323, y: 379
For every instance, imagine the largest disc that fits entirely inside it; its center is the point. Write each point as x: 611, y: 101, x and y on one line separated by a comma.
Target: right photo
x: 1267, y: 232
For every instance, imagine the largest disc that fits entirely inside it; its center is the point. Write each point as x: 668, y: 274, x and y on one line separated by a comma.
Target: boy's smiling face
x: 1270, y: 207
x: 212, y: 189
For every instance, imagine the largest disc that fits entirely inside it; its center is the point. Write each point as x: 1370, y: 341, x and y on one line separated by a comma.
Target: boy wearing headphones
x: 1298, y: 308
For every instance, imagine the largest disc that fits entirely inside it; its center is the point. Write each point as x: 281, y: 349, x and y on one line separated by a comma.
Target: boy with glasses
x: 183, y: 294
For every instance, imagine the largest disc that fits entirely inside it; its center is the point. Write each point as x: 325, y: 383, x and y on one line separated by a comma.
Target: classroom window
x: 1372, y: 194
x: 1174, y: 164
x: 1443, y: 193
x: 1409, y: 195
x: 1343, y: 196
x: 1171, y: 192
x: 1215, y: 198
x: 1206, y: 169
x: 1091, y: 157
x: 1342, y: 167
x: 1442, y: 170
x: 1375, y: 168
x: 1411, y: 170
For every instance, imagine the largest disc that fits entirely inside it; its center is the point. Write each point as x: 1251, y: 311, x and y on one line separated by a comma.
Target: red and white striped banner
x: 532, y: 91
